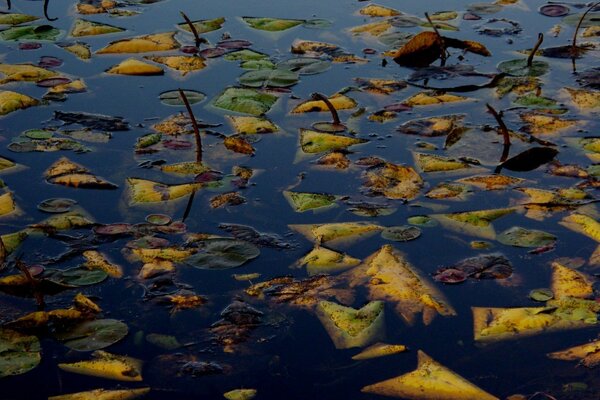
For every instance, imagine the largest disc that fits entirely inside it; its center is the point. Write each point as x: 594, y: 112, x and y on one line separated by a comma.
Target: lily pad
x: 173, y: 98
x: 245, y: 101
x: 75, y: 277
x: 217, y: 254
x: 402, y: 233
x: 519, y: 67
x: 93, y: 335
x: 305, y: 65
x: 521, y: 237
x: 56, y: 205
x: 272, y: 24
x: 269, y: 77
x: 19, y: 353
x: 541, y: 295
x: 30, y: 32
x: 308, y: 201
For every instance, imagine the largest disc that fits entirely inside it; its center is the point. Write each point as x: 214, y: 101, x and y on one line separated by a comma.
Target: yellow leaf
x: 430, y: 98
x: 66, y: 172
x: 430, y: 380
x: 379, y: 350
x: 240, y: 394
x: 322, y: 260
x: 95, y: 260
x: 348, y: 327
x: 375, y: 10
x: 80, y: 50
x: 389, y: 277
x: 491, y: 182
x: 164, y: 253
x: 108, y: 366
x: 77, y: 86
x: 103, y: 394
x: 66, y: 221
x: 567, y: 282
x: 156, y: 267
x: 373, y: 28
x: 145, y: 191
x: 473, y: 223
x: 238, y: 144
x: 336, y: 232
x: 394, y: 181
x: 546, y: 124
x: 7, y: 204
x: 317, y: 142
x: 300, y: 46
x: 101, y: 8
x: 142, y: 44
x: 252, y: 125
x: 83, y: 27
x: 434, y: 163
x: 24, y: 72
x: 185, y: 168
x: 582, y: 224
x: 131, y: 66
x: 584, y: 98
x: 183, y: 64
x: 174, y: 125
x: 588, y: 354
x: 13, y: 101
x: 85, y: 304
x: 339, y: 102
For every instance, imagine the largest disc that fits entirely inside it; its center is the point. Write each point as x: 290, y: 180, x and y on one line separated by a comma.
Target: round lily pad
x: 93, y: 335
x: 521, y: 237
x: 172, y: 97
x: 554, y: 10
x: 19, y: 353
x: 56, y: 205
x: 39, y: 134
x: 519, y: 67
x: 402, y: 233
x: 223, y: 254
x: 269, y: 77
x: 158, y: 219
x: 305, y: 65
x: 75, y: 277
x: 541, y: 295
x: 329, y: 127
x: 422, y: 220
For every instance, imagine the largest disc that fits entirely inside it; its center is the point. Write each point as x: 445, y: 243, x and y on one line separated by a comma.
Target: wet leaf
x: 245, y: 101
x: 402, y: 233
x: 430, y: 380
x: 67, y: 173
x: 24, y: 72
x: 183, y: 64
x: 474, y: 223
x: 432, y: 126
x: 132, y: 66
x: 95, y: 260
x: 173, y: 98
x: 389, y: 277
x: 339, y: 102
x: 336, y: 232
x: 271, y: 24
x: 252, y: 125
x: 16, y: 19
x: 318, y: 142
x: 142, y: 44
x: 584, y: 98
x: 56, y: 205
x: 145, y: 191
x: 376, y: 10
x: 491, y: 182
x: 223, y: 253
x: 82, y: 27
x: 75, y: 277
x: 546, y: 124
x: 554, y: 10
x: 305, y: 65
x: 587, y: 354
x: 20, y: 353
x: 567, y: 282
x: 227, y: 199
x: 80, y: 50
x: 269, y: 77
x: 108, y: 366
x: 379, y: 350
x: 486, y: 266
x: 104, y: 394
x: 521, y: 237
x: 93, y: 335
x: 30, y: 32
x: 583, y: 224
x: 308, y: 201
x: 431, y: 98
x: 204, y: 25
x: 321, y: 260
x: 519, y: 67
x: 541, y: 295
x: 349, y: 327
x: 13, y: 101
x: 240, y: 394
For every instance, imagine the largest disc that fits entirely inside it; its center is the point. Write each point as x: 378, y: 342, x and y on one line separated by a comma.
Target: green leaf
x: 19, y: 353
x: 308, y: 201
x: 521, y: 237
x: 541, y: 295
x: 519, y: 67
x: 305, y: 65
x: 245, y: 55
x: 16, y: 19
x: 75, y: 277
x: 223, y: 254
x: 30, y: 32
x: 173, y: 98
x: 272, y: 24
x: 245, y: 101
x: 93, y: 335
x: 269, y: 77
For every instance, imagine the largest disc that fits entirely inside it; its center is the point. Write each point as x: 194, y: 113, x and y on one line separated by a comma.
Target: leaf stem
x: 574, y: 44
x: 192, y: 28
x: 503, y: 130
x: 46, y: 2
x: 39, y: 297
x: 332, y: 110
x: 441, y: 41
x: 535, y: 49
x: 195, y: 125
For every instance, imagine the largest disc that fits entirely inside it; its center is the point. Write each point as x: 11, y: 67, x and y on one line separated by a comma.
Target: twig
x: 188, y: 206
x: 192, y: 28
x: 574, y: 44
x: 2, y: 253
x: 441, y: 41
x: 39, y: 297
x: 195, y: 125
x: 46, y: 2
x: 535, y: 48
x: 332, y: 110
x: 503, y: 130
x: 8, y: 4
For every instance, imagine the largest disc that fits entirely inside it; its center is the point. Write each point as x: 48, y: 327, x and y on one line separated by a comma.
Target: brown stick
x: 39, y: 297
x: 332, y: 110
x: 195, y: 125
x: 535, y: 48
x: 46, y: 11
x: 503, y: 130
x: 441, y: 41
x: 192, y: 28
x: 574, y: 45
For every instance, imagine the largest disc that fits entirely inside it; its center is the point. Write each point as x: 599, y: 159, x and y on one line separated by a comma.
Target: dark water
x: 293, y: 356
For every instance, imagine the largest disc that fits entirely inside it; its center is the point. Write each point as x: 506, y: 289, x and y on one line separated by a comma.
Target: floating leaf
x: 545, y: 124
x: 204, y: 25
x: 475, y: 223
x: 379, y: 350
x: 56, y: 205
x: 554, y: 10
x: 95, y: 260
x: 318, y: 142
x: 93, y: 335
x: 375, y: 10
x: 389, y: 277
x: 567, y: 282
x: 434, y: 163
x: 80, y: 50
x: 66, y: 172
x: 173, y: 98
x: 541, y: 295
x: 584, y: 98
x: 430, y: 380
x: 321, y: 260
x: 583, y: 224
x: 305, y: 65
x: 269, y: 77
x: 75, y: 277
x: 183, y: 64
x: 238, y: 144
x: 245, y: 101
x: 336, y: 232
x: 271, y: 24
x: 252, y: 125
x: 25, y: 72
x: 20, y: 353
x: 142, y: 44
x: 349, y: 327
x: 432, y: 126
x: 131, y: 66
x: 108, y: 366
x: 103, y: 394
x: 145, y: 191
x: 339, y: 102
x: 16, y: 19
x: 530, y: 159
x: 240, y: 394
x: 223, y: 254
x: 402, y: 233
x: 588, y: 354
x: 30, y: 32
x: 82, y: 27
x: 521, y: 237
x: 13, y: 101
x: 520, y: 68
x: 431, y: 98
x: 487, y: 266
x: 308, y: 201
x: 491, y: 182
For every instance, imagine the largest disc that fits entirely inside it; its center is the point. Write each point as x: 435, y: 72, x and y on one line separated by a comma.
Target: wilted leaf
x: 567, y: 282
x: 430, y: 380
x: 583, y: 224
x: 13, y: 101
x: 227, y: 199
x: 336, y: 232
x: 375, y: 10
x: 108, y: 366
x: 348, y: 327
x: 474, y: 223
x: 486, y: 266
x: 545, y: 124
x: 103, y: 394
x: 431, y: 98
x: 82, y: 27
x: 30, y: 32
x: 240, y: 394
x: 142, y: 44
x: 318, y: 142
x: 66, y: 172
x: 80, y: 50
x: 183, y: 64
x: 434, y: 163
x: 145, y: 191
x: 16, y: 19
x: 521, y: 237
x: 588, y: 354
x: 432, y: 126
x: 339, y: 102
x: 379, y: 350
x: 584, y: 98
x: 95, y: 260
x: 308, y: 201
x: 24, y: 72
x: 322, y: 260
x: 131, y: 66
x: 491, y: 182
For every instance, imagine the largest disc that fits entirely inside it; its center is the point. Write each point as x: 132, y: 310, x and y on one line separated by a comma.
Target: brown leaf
x: 238, y: 145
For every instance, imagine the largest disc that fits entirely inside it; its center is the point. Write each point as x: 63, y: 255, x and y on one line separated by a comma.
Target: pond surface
x: 183, y: 266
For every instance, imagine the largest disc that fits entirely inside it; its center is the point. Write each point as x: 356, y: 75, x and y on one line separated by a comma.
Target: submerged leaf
x: 223, y: 253
x: 19, y: 353
x: 93, y: 335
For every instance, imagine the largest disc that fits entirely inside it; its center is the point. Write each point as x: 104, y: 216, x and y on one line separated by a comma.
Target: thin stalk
x: 188, y: 206
x: 46, y: 2
x: 192, y: 28
x: 332, y: 110
x: 8, y: 4
x: 441, y: 41
x: 503, y: 131
x: 195, y: 125
x: 39, y: 297
x: 535, y: 48
x: 574, y: 45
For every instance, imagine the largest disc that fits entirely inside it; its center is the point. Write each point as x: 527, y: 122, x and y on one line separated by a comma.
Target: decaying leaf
x: 145, y: 191
x: 380, y: 350
x: 132, y: 66
x: 66, y: 172
x: 585, y: 98
x: 567, y: 282
x: 393, y: 181
x: 96, y: 260
x: 430, y: 380
x: 108, y: 366
x: 321, y: 260
x: 491, y: 182
x: 545, y: 124
x: 389, y: 277
x: 24, y: 73
x: 583, y: 224
x: 142, y: 44
x: 375, y: 10
x: 13, y: 101
x: 301, y: 201
x: 588, y: 354
x: 104, y: 394
x: 348, y: 327
x: 432, y: 98
x: 435, y: 163
x: 82, y: 27
x: 339, y: 102
x: 183, y: 64
x: 20, y: 352
x: 336, y: 233
x: 252, y: 125
x: 474, y: 223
